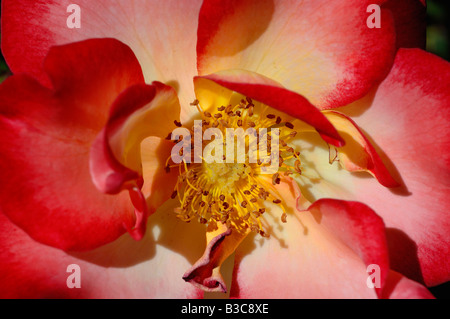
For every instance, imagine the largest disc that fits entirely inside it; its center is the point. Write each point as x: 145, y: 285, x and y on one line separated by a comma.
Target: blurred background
x: 438, y: 28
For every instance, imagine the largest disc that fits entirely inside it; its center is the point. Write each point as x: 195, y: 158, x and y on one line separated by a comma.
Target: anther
x: 207, y: 114
x: 195, y: 103
x: 256, y: 214
x: 174, y: 194
x: 264, y: 234
x: 276, y: 178
x: 277, y: 201
x: 297, y: 166
x: 178, y: 124
x: 278, y: 120
x: 284, y: 217
x: 289, y: 125
x: 254, y: 229
x: 288, y: 172
x: 229, y: 109
x: 270, y: 116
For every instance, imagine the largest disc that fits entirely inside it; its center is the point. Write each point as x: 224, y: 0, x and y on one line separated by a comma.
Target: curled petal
x: 272, y: 94
x: 320, y: 49
x: 115, y: 162
x: 46, y: 136
x: 358, y: 154
x: 221, y: 243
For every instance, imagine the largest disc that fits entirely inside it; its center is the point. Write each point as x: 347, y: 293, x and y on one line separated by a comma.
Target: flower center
x: 235, y: 189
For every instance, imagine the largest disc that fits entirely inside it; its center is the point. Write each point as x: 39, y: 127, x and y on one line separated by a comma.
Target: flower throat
x: 234, y: 193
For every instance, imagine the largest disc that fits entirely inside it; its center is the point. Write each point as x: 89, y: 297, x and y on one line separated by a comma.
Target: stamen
x: 289, y: 125
x: 234, y: 193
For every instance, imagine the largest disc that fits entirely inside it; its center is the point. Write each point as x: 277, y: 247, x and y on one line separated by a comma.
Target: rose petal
x: 46, y: 137
x: 411, y: 108
x: 161, y: 34
x: 115, y: 161
x: 272, y: 94
x: 320, y: 49
x: 407, y: 121
x: 125, y: 268
x: 321, y: 253
x: 360, y: 228
x: 400, y: 287
x: 221, y: 243
x: 358, y: 154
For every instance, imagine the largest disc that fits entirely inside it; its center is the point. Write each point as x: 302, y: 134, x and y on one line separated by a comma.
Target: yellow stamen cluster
x: 234, y: 193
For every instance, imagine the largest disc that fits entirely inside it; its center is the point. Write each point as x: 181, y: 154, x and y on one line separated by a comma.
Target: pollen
x: 232, y: 192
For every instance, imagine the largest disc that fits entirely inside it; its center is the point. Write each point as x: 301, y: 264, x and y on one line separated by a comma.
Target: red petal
x: 358, y: 152
x: 320, y: 49
x: 125, y: 268
x: 322, y: 254
x: 271, y: 93
x: 115, y: 163
x: 161, y: 34
x: 46, y: 136
x: 412, y: 127
x: 359, y: 227
x: 400, y: 287
x: 408, y: 119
